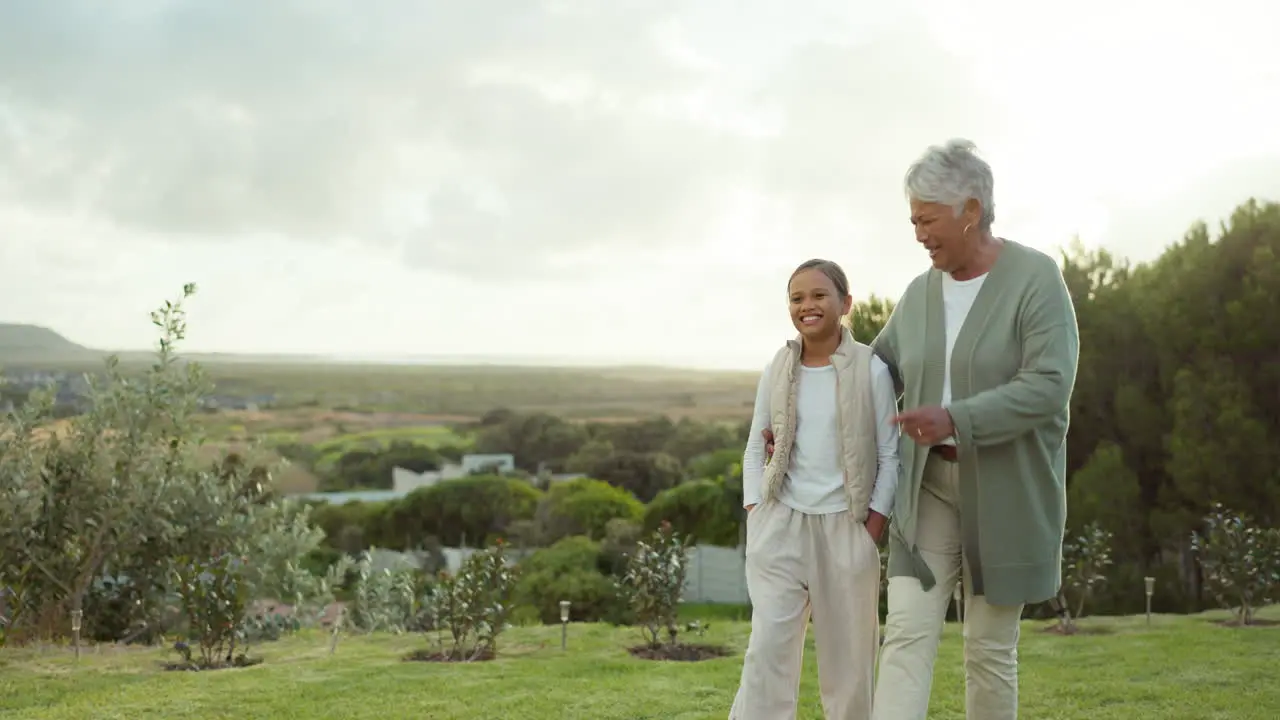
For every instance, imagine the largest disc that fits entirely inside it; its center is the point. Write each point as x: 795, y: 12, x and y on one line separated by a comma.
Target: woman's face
x: 816, y: 305
x: 942, y: 233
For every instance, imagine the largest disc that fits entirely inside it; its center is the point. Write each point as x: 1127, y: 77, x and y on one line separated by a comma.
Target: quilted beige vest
x: 855, y: 413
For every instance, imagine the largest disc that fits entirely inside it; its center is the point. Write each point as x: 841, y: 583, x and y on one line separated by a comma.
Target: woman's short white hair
x: 952, y: 174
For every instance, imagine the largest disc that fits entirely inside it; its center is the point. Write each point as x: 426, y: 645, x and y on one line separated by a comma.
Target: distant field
x: 337, y: 407
x: 595, y: 393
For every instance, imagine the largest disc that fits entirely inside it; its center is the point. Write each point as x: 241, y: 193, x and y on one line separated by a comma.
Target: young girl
x: 817, y: 508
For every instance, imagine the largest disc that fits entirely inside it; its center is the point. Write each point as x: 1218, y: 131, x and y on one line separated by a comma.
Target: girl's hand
x: 876, y: 524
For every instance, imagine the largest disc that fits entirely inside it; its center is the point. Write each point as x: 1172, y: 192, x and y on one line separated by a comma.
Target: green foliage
x: 1085, y: 560
x: 702, y: 510
x: 693, y: 439
x: 642, y: 474
x: 351, y: 527
x: 724, y: 462
x: 384, y: 600
x: 535, y: 440
x: 584, y: 507
x: 568, y: 570
x: 94, y: 513
x: 470, y: 509
x: 653, y: 583
x: 867, y: 318
x: 589, y: 455
x: 474, y: 605
x: 366, y: 459
x: 215, y: 596
x: 1240, y: 561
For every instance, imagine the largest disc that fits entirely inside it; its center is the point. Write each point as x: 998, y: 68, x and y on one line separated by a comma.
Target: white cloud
x: 623, y: 180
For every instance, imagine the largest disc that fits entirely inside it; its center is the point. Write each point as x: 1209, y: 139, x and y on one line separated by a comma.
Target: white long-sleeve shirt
x: 814, y: 482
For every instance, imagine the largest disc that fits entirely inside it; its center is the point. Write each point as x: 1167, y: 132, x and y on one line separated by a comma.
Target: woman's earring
x: 966, y: 228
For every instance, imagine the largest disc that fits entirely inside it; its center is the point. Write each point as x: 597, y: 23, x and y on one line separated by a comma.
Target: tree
x: 1240, y: 561
x: 473, y: 509
x: 100, y: 514
x: 868, y: 317
x: 642, y: 474
x: 534, y: 440
x: 584, y: 507
x: 700, y: 510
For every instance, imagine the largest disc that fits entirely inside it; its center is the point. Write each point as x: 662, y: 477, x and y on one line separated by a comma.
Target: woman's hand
x: 768, y: 444
x: 927, y: 426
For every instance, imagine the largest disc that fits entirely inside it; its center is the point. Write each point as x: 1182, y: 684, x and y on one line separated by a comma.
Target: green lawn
x: 1180, y: 668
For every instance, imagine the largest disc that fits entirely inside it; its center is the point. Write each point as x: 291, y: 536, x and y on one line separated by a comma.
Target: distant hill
x: 31, y: 343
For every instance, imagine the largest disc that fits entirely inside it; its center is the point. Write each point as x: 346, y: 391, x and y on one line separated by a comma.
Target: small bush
x: 1240, y: 562
x: 214, y: 597
x: 568, y: 570
x: 473, y: 607
x: 653, y: 584
x: 1084, y: 560
x: 584, y: 507
x: 384, y: 600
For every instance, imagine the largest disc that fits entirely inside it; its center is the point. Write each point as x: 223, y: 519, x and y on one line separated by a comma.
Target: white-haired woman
x: 983, y: 346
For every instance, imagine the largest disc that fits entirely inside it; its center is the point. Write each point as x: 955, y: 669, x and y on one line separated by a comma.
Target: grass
x: 1182, y: 668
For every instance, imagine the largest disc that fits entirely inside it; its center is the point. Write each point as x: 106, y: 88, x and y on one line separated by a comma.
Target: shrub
x: 568, y: 570
x: 473, y: 606
x: 1084, y: 560
x: 584, y: 507
x: 642, y: 474
x: 94, y: 515
x: 384, y: 600
x: 1240, y: 562
x: 654, y: 581
x: 465, y: 510
x: 214, y: 597
x: 703, y: 510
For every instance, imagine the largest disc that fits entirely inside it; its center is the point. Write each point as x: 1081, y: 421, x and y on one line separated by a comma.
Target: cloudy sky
x: 613, y: 181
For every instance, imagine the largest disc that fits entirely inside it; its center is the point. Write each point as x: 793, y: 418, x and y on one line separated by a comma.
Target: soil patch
x: 1057, y: 629
x: 1256, y: 623
x: 441, y: 656
x: 240, y: 661
x: 679, y: 652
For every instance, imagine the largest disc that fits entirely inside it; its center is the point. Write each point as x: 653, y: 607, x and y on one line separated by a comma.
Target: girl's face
x: 816, y: 305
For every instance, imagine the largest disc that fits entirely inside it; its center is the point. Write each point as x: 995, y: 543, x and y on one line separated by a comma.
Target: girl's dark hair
x: 828, y: 268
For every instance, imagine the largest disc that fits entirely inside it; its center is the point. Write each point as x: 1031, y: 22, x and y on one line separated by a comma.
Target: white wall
x: 716, y: 575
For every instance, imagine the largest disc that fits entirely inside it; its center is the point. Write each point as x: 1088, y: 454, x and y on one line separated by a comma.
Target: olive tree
x: 99, y: 513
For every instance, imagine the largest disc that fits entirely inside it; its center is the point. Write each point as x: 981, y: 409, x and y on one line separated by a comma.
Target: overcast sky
x: 615, y: 181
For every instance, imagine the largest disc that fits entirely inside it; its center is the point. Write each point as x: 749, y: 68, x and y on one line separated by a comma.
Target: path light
x: 76, y: 617
x: 958, y: 594
x: 1150, y: 582
x: 564, y: 624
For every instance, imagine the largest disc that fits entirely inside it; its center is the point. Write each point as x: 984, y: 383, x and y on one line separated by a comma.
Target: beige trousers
x: 914, y: 626
x: 796, y: 563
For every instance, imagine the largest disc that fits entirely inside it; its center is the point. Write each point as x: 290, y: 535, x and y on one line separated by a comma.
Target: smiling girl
x: 817, y: 507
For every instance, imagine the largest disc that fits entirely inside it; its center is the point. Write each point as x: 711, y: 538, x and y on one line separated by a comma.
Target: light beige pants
x: 914, y: 626
x: 795, y: 563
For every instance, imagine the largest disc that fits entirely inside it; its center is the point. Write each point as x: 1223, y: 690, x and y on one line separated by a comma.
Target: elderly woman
x: 983, y: 346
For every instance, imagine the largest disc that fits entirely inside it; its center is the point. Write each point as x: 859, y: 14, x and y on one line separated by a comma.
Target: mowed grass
x: 1181, y: 668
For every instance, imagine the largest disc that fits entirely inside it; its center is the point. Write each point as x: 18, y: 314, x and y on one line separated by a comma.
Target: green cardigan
x: 1012, y: 372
